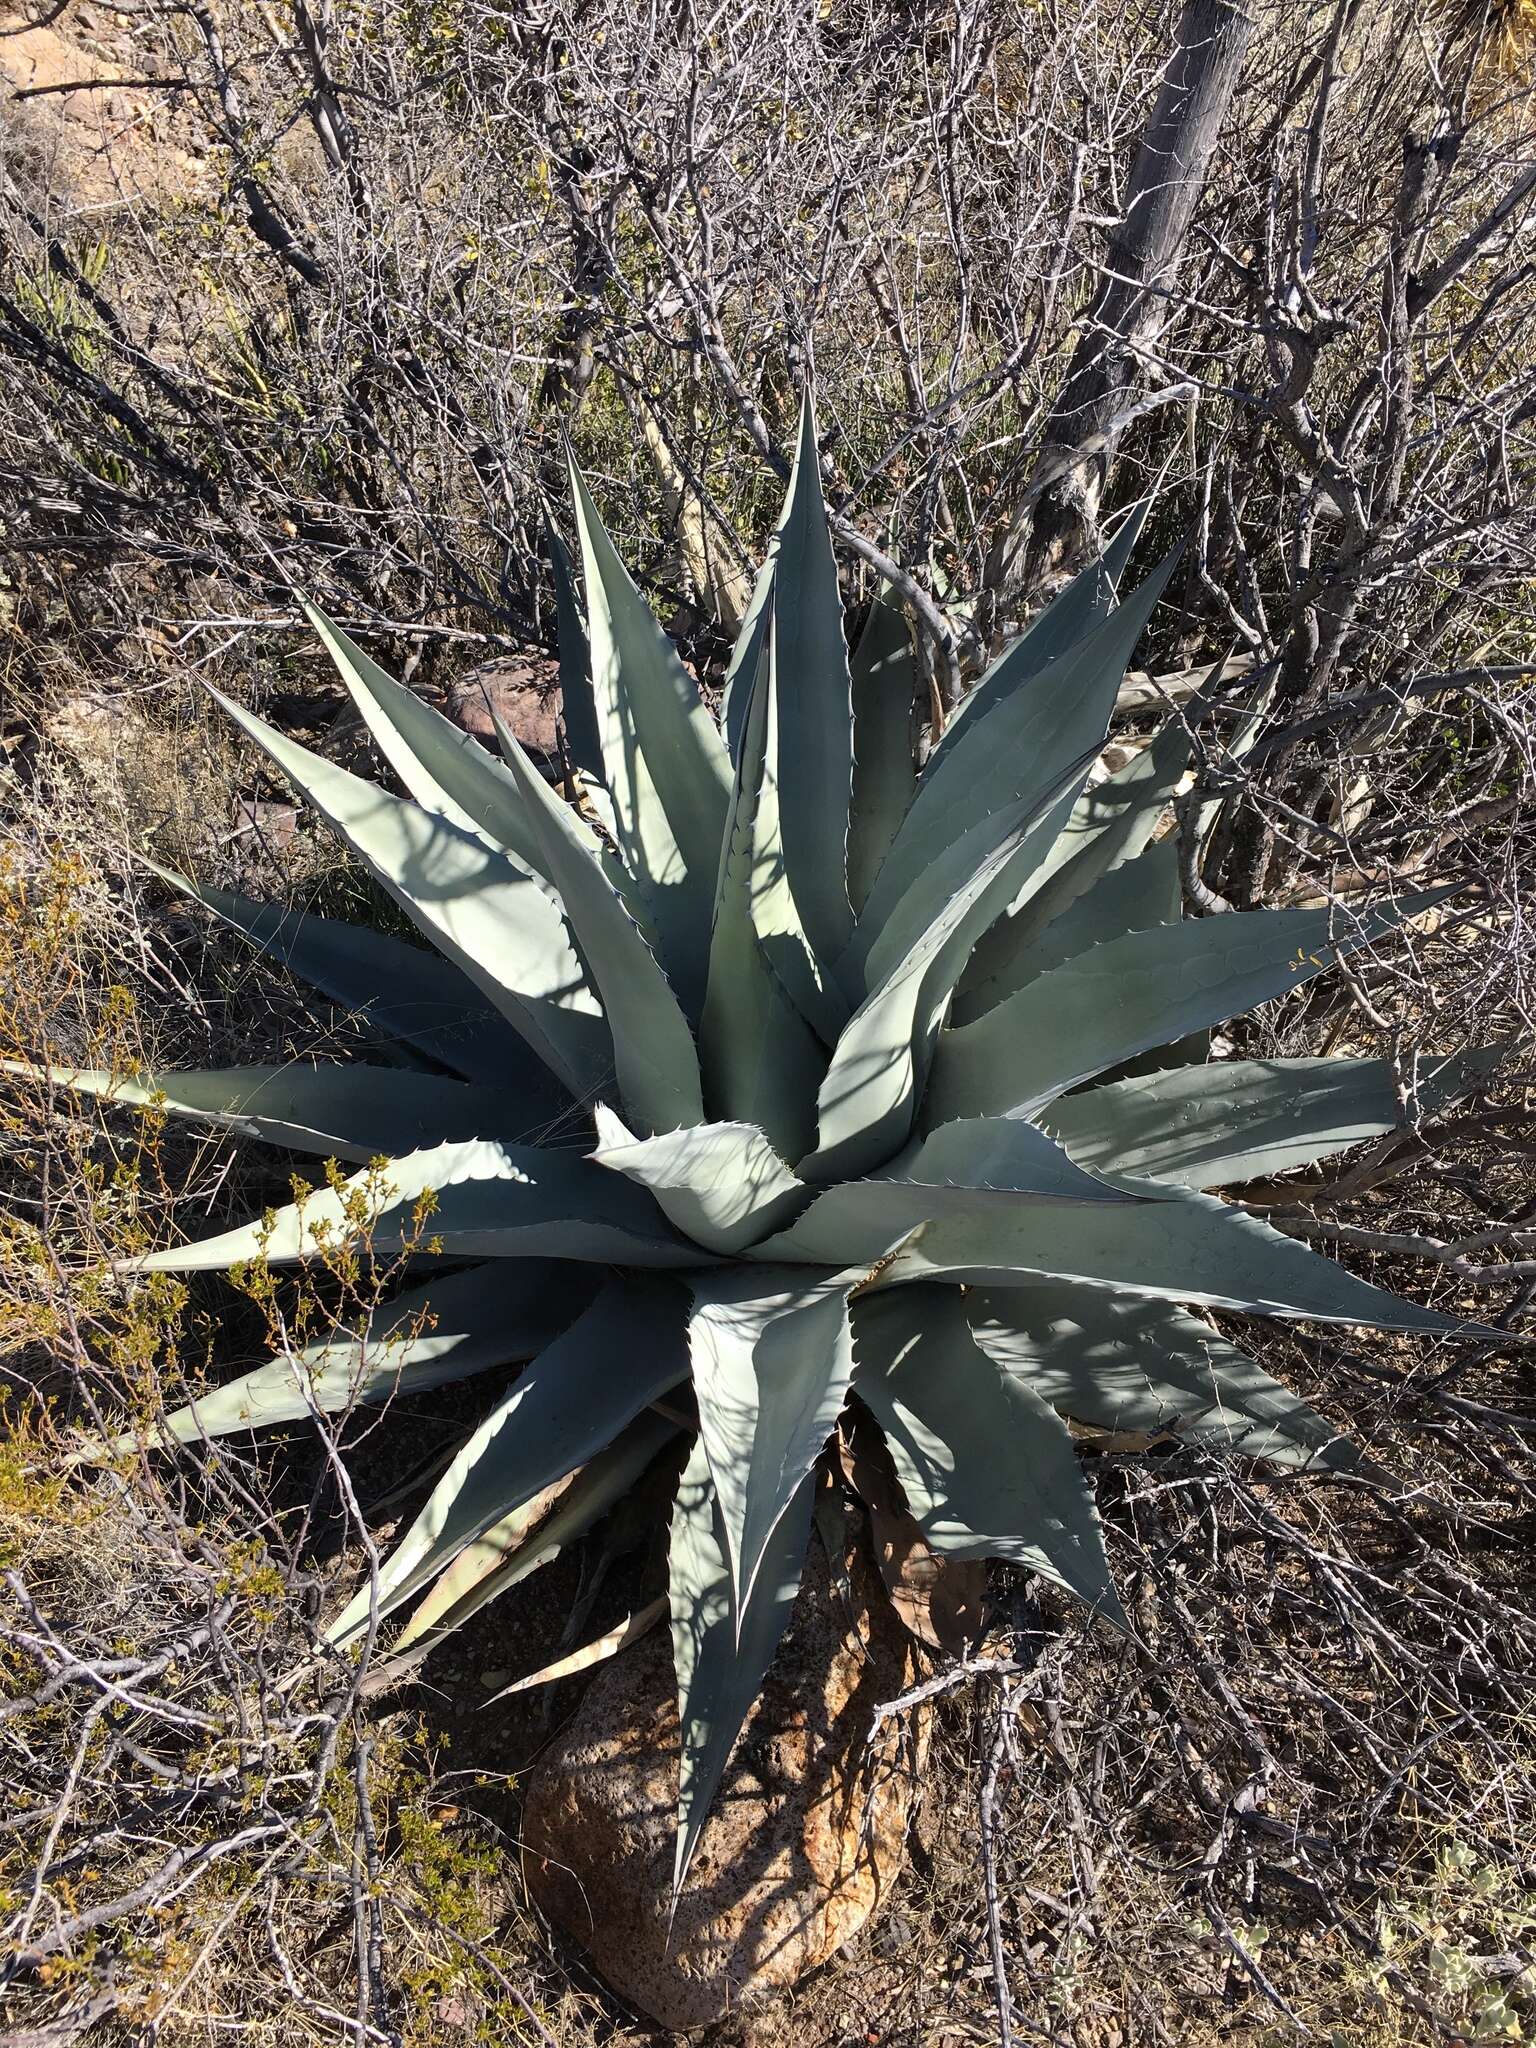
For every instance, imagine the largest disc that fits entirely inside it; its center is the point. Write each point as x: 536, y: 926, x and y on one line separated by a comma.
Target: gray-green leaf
x: 576, y: 706
x: 1146, y: 1366
x: 490, y: 917
x: 1003, y: 756
x: 403, y: 992
x: 654, y: 1058
x: 814, y: 753
x: 1085, y: 602
x: 884, y: 684
x: 664, y: 763
x: 722, y: 1185
x: 1236, y: 1120
x: 444, y: 768
x: 987, y: 1468
x: 869, y: 1100
x: 457, y: 1325
x: 771, y: 1357
x: 720, y: 1659
x: 1110, y: 823
x: 1184, y: 1247
x: 1136, y: 992
x: 342, y: 1111
x: 477, y: 1199
x: 1133, y: 897
x: 761, y: 1061
x: 622, y: 1353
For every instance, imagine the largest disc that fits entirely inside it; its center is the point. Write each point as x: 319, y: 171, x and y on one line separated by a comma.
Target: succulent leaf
x: 883, y: 685
x: 1009, y: 754
x: 811, y: 746
x: 722, y: 1185
x: 409, y: 995
x: 720, y: 1657
x: 1010, y: 1156
x: 987, y: 1467
x: 1082, y: 604
x: 761, y: 1061
x: 455, y: 1326
x: 1169, y: 1243
x: 1184, y: 1247
x: 619, y: 1355
x: 655, y: 1061
x: 770, y: 1356
x: 664, y: 764
x: 869, y: 1100
x: 747, y: 657
x: 444, y: 768
x: 963, y: 1170
x: 1148, y: 1368
x: 1135, y: 992
x: 478, y: 1199
x: 776, y: 914
x: 1111, y: 822
x: 488, y: 915
x: 1132, y: 897
x: 578, y: 712
x: 1237, y: 1120
x: 346, y: 1111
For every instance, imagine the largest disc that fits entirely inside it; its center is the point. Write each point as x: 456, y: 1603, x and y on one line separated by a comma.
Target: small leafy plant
x: 769, y: 1072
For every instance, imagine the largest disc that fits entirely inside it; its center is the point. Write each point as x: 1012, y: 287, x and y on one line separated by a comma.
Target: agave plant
x: 770, y: 1074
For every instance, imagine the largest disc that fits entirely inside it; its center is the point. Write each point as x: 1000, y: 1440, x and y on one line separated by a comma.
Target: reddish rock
x: 276, y: 826
x: 523, y: 696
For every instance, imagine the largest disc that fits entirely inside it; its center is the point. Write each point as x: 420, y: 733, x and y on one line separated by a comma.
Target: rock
x: 276, y: 826
x: 521, y: 695
x: 807, y: 1832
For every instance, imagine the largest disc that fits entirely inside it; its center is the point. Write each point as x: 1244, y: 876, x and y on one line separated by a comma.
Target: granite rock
x: 807, y: 1832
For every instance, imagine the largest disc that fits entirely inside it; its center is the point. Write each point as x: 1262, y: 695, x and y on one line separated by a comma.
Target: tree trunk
x: 1059, y: 520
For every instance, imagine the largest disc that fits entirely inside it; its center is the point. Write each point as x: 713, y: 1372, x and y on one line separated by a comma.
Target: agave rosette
x: 780, y: 1072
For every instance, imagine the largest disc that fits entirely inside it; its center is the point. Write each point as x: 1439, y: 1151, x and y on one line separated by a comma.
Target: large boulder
x: 807, y: 1832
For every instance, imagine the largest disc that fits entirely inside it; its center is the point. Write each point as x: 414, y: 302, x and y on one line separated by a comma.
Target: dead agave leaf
x: 628, y: 1631
x: 479, y: 1560
x: 939, y: 1599
x: 1119, y: 1440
